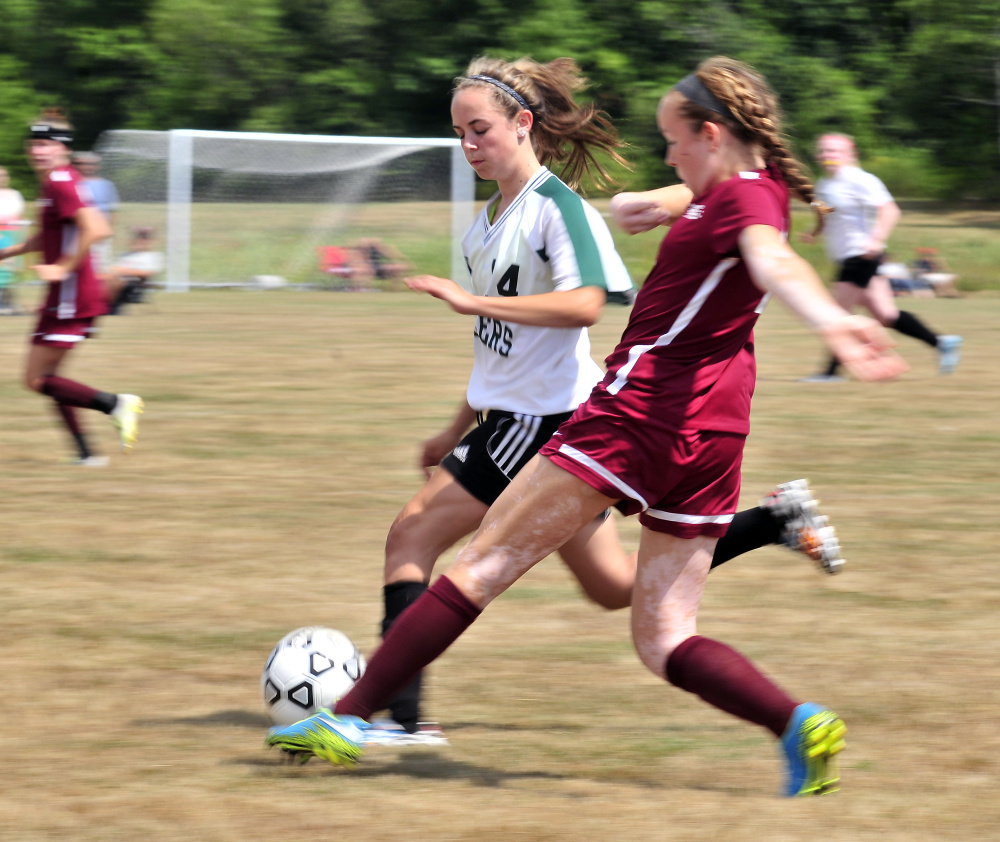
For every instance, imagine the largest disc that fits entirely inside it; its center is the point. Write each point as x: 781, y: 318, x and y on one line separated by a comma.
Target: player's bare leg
x: 670, y: 580
x: 441, y: 513
x: 42, y: 362
x: 596, y: 558
x: 879, y: 300
x: 522, y: 527
x: 41, y: 375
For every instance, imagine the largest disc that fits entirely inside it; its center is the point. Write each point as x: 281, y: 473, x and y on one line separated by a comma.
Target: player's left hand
x: 864, y: 348
x: 636, y: 214
x: 50, y: 273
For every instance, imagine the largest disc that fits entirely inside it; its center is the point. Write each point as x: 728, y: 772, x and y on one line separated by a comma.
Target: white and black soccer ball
x: 310, y: 668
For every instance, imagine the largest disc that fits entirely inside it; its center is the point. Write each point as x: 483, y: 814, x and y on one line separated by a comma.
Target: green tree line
x: 917, y: 82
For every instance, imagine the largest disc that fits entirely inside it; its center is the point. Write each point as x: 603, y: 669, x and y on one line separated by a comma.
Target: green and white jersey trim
x: 549, y: 239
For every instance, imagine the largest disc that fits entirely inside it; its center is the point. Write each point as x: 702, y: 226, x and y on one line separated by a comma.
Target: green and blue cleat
x: 337, y: 739
x: 342, y: 740
x: 811, y: 742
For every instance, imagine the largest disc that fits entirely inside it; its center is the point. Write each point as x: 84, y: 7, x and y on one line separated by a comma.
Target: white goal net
x: 231, y: 207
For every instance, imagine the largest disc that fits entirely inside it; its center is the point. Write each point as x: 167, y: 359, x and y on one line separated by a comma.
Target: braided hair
x: 754, y: 117
x: 564, y: 133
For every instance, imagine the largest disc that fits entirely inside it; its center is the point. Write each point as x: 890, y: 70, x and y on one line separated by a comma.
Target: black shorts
x: 489, y: 457
x: 859, y: 270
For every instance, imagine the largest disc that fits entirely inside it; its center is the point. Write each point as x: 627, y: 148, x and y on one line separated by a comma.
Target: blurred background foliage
x: 917, y: 82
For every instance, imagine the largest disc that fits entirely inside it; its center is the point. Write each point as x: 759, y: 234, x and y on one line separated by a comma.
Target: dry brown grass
x: 140, y: 601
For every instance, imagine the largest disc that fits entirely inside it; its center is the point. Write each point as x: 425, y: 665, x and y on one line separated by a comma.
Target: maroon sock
x: 422, y: 632
x: 69, y: 418
x: 71, y: 393
x: 723, y: 677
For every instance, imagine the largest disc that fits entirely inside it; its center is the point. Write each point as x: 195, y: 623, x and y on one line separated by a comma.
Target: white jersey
x: 855, y: 196
x: 147, y: 262
x: 548, y: 239
x: 11, y: 206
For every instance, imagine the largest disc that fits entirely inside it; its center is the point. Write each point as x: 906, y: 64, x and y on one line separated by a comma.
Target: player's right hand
x: 435, y: 449
x: 635, y: 214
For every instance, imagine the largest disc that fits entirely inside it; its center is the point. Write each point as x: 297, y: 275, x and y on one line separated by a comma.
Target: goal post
x: 232, y: 206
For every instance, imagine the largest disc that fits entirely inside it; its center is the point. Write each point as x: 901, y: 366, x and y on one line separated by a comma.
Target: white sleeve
x: 587, y: 255
x: 877, y: 193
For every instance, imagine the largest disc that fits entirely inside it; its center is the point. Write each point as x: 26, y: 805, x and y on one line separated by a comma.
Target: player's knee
x: 654, y: 649
x: 613, y: 599
x: 408, y: 555
x: 652, y: 654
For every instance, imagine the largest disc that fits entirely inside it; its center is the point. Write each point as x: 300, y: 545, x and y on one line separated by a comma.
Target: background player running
x: 856, y: 232
x: 69, y: 225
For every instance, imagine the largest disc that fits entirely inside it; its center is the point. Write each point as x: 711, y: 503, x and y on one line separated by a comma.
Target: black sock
x: 910, y: 325
x: 105, y: 402
x: 405, y: 706
x: 750, y: 529
x: 68, y: 415
x: 831, y: 369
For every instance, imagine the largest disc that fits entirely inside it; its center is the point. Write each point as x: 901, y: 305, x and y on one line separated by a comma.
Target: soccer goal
x: 231, y: 207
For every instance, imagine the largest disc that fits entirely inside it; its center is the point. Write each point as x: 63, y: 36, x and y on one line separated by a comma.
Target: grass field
x: 280, y: 440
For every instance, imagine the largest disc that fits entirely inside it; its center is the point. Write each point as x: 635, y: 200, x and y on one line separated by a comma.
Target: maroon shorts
x: 62, y: 333
x: 683, y: 483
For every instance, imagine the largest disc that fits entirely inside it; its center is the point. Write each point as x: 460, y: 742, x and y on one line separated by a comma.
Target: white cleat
x: 125, y: 416
x: 803, y: 528
x: 388, y: 732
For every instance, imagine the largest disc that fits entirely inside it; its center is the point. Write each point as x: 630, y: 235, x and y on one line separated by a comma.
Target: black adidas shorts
x: 858, y: 270
x: 487, y: 459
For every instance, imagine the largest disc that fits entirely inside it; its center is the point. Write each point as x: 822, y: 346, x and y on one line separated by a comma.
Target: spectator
x: 105, y: 197
x: 11, y: 227
x: 932, y: 269
x: 127, y: 281
x: 902, y: 280
x: 11, y: 200
x: 377, y: 262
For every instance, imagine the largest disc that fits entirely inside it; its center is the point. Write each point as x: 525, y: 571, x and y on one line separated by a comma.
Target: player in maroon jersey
x: 69, y: 225
x: 661, y: 435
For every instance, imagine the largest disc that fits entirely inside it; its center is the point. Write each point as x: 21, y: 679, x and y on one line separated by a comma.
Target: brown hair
x: 754, y: 117
x: 563, y: 132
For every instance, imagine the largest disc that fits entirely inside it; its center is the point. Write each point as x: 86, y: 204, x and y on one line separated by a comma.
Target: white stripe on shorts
x: 683, y: 320
x: 601, y: 471
x: 62, y: 337
x: 673, y: 517
x: 516, y: 441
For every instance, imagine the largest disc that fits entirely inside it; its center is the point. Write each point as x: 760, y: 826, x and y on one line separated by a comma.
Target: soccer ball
x: 310, y: 668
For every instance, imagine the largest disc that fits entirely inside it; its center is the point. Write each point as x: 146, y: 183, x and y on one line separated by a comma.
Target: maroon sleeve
x: 748, y: 201
x: 68, y: 195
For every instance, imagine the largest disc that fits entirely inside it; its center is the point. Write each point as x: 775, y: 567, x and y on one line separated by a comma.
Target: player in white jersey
x: 547, y: 240
x: 541, y: 263
x: 856, y: 231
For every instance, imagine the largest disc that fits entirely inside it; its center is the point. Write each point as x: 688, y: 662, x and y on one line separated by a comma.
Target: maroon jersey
x: 687, y: 353
x: 81, y: 295
x: 664, y: 431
